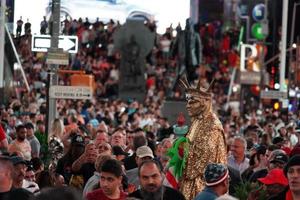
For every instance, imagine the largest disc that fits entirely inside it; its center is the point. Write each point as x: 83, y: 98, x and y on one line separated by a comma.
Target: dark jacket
x: 169, y: 194
x: 280, y: 196
x: 129, y: 162
x: 235, y: 179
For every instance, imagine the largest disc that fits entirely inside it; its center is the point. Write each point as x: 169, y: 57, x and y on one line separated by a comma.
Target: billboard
x: 164, y: 12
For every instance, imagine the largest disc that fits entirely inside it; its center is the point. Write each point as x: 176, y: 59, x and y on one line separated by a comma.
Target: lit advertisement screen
x: 164, y: 12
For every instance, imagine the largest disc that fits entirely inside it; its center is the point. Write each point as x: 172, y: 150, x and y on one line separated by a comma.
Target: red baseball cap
x: 275, y: 176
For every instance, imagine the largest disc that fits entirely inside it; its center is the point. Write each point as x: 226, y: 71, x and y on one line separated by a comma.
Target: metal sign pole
x: 283, y: 44
x: 2, y: 41
x: 53, y: 77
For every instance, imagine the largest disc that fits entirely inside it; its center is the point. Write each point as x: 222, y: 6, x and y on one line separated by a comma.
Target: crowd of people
x: 106, y: 148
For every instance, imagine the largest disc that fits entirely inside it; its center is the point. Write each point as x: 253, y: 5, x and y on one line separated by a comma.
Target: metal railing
x: 17, y: 59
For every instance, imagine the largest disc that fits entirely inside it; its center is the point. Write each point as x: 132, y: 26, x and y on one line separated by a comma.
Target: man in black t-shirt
x: 150, y: 177
x: 19, y: 27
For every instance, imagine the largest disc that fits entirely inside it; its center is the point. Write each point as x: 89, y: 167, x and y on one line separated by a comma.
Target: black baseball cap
x: 277, y: 140
x: 280, y: 158
x: 293, y: 161
x: 77, y: 140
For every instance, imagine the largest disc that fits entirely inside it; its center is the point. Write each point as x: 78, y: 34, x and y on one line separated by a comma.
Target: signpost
x: 41, y: 43
x: 273, y: 94
x: 250, y: 78
x: 52, y: 76
x: 70, y: 92
x: 57, y: 57
x: 2, y: 51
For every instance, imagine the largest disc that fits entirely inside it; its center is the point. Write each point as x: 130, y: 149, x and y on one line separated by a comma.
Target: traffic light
x: 259, y: 29
x: 276, y: 105
x: 257, y: 22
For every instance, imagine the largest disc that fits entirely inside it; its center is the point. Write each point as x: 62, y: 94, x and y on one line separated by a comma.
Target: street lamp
x: 293, y: 23
x: 292, y: 44
x: 290, y: 49
x: 292, y: 37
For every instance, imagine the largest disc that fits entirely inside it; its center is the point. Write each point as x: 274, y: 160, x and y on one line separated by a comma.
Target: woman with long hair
x: 55, y: 141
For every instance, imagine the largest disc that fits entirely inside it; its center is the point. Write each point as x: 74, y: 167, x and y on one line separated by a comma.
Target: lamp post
x: 2, y: 40
x: 52, y: 76
x: 292, y: 40
x: 283, y: 45
x: 290, y: 72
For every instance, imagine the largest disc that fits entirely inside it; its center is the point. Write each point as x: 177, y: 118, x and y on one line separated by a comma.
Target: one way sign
x: 41, y: 43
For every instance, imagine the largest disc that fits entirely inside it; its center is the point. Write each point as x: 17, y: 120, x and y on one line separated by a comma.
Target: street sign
x: 57, y: 57
x: 41, y: 43
x: 285, y: 103
x: 250, y: 78
x: 273, y: 94
x: 70, y: 92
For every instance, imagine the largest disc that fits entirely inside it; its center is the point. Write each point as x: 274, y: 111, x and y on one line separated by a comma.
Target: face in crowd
x: 150, y: 177
x: 30, y: 175
x: 21, y: 134
x: 117, y: 139
x: 111, y: 178
x: 293, y: 175
x: 30, y: 131
x: 109, y: 183
x: 104, y: 148
x: 129, y: 139
x: 19, y: 172
x: 166, y: 145
x: 237, y: 148
x: 101, y: 137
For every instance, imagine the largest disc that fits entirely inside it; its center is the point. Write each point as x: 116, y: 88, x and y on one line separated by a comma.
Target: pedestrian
x: 292, y: 172
x: 151, y: 179
x: 110, y: 181
x: 217, y: 182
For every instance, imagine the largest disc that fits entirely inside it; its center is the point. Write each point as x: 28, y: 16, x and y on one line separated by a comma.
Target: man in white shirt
x: 238, y: 159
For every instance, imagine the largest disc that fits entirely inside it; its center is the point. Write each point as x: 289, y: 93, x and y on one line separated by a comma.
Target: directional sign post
x: 41, y: 43
x: 70, y: 92
x: 273, y: 94
x: 250, y: 78
x: 57, y: 57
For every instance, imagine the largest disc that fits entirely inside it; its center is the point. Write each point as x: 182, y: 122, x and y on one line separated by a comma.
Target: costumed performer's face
x: 196, y: 104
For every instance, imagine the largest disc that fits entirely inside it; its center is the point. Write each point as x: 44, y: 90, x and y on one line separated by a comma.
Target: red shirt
x: 98, y: 194
x: 2, y: 133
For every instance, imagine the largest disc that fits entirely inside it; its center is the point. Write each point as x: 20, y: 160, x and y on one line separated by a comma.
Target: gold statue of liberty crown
x: 199, y: 91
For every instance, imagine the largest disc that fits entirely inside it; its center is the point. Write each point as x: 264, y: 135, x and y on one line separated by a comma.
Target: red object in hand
x: 180, y: 119
x: 181, y: 152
